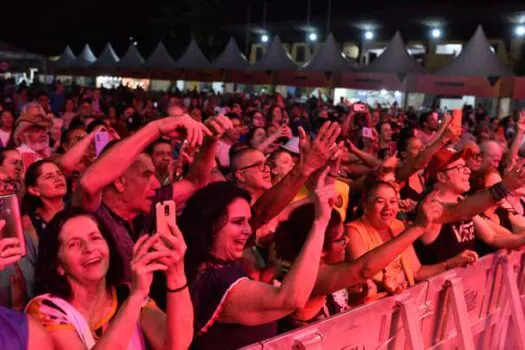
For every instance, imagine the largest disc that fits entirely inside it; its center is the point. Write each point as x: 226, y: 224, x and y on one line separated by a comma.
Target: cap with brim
x: 292, y: 146
x: 443, y: 158
x: 27, y: 121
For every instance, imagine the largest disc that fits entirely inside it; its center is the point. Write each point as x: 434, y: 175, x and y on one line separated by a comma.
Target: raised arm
x: 70, y: 160
x: 364, y: 156
x: 254, y: 303
x: 201, y: 168
x: 497, y: 236
x: 117, y: 160
x: 314, y: 155
x: 512, y: 154
x: 335, y: 277
x: 284, y: 130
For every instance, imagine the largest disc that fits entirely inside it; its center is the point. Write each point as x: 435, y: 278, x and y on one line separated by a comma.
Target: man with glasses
x: 251, y: 172
x: 461, y: 227
x: 31, y: 134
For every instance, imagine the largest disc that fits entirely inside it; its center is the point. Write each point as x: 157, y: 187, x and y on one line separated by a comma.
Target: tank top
x: 453, y: 239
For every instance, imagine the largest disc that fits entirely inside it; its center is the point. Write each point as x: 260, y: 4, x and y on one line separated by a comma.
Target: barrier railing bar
x: 409, y: 314
x: 515, y: 304
x: 459, y: 309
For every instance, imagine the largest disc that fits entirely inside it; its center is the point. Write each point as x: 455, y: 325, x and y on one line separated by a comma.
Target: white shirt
x: 4, y: 137
x: 223, y: 154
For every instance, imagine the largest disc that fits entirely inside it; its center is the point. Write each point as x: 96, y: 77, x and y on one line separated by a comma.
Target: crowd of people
x: 287, y: 212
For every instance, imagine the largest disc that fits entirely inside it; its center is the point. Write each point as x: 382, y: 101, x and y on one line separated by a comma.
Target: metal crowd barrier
x: 479, y: 307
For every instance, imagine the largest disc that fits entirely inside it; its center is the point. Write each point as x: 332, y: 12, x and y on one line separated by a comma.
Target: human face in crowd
x: 56, y: 128
x: 236, y: 109
x: 474, y: 162
x: 7, y: 120
x: 128, y: 112
x: 51, y: 182
x: 12, y: 165
x: 255, y: 171
x: 259, y: 135
x: 258, y: 120
x: 492, y: 154
x: 335, y: 249
x: 381, y: 206
x: 277, y: 116
x: 161, y: 157
x: 386, y: 132
x: 455, y: 177
x: 139, y: 185
x: 433, y: 122
x: 44, y: 102
x: 281, y: 165
x: 231, y: 238
x: 36, y: 137
x: 70, y: 105
x: 83, y: 256
x: 414, y: 146
x: 85, y: 110
x: 234, y: 134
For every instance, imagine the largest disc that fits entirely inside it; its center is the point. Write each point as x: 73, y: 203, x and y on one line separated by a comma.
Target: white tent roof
x: 108, y: 58
x: 328, y: 58
x: 160, y: 58
x: 66, y: 58
x: 132, y: 58
x: 193, y: 57
x: 85, y: 59
x: 276, y: 58
x: 231, y: 57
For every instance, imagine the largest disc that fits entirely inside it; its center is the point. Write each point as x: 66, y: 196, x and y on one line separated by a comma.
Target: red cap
x: 443, y: 158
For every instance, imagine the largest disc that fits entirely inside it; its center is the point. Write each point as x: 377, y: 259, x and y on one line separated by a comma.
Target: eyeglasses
x: 459, y: 168
x: 261, y: 165
x: 7, y: 185
x: 342, y: 241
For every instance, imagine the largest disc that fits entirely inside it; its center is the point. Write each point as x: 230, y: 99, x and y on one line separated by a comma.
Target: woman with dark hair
x: 232, y: 310
x: 378, y: 226
x: 46, y: 188
x: 69, y: 112
x: 82, y: 302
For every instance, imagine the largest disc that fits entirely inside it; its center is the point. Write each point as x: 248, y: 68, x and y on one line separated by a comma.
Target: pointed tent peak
x: 132, y: 58
x: 87, y: 54
x: 108, y: 58
x: 328, y: 58
x: 193, y: 57
x: 395, y: 59
x: 477, y: 58
x: 231, y: 57
x: 276, y: 58
x: 68, y: 53
x: 66, y: 59
x: 160, y: 58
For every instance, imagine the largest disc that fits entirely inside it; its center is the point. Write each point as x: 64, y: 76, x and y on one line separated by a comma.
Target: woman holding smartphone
x: 82, y: 302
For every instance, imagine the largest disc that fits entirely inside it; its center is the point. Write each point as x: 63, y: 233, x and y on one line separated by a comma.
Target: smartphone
x: 457, y: 117
x: 165, y: 214
x: 10, y: 212
x: 359, y: 107
x: 101, y: 140
x: 155, y: 104
x: 368, y: 133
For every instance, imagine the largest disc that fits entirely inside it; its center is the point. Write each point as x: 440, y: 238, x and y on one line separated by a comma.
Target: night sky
x: 48, y: 26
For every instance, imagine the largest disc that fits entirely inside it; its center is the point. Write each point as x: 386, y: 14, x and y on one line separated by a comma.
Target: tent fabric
x: 85, y: 59
x: 132, y: 58
x: 328, y: 59
x: 12, y: 52
x: 276, y: 58
x: 107, y: 59
x: 193, y: 58
x: 66, y: 58
x: 231, y: 57
x: 476, y: 59
x: 395, y: 59
x: 160, y: 58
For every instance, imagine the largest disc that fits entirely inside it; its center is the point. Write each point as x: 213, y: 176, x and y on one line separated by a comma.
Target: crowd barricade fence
x: 478, y: 307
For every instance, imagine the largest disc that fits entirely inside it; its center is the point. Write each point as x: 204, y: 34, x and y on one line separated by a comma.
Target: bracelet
x: 176, y: 290
x: 499, y: 192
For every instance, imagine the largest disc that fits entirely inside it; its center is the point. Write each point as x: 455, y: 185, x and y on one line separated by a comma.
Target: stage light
x: 436, y: 33
x: 312, y: 36
x: 265, y: 38
x: 520, y: 30
x: 369, y: 35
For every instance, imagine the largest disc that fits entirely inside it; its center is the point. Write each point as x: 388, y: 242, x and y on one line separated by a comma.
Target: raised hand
x: 218, y: 125
x: 465, y: 258
x: 10, y: 250
x: 144, y: 263
x: 315, y: 154
x: 323, y: 196
x: 429, y: 211
x: 520, y: 125
x: 175, y: 127
x: 514, y: 177
x: 173, y: 245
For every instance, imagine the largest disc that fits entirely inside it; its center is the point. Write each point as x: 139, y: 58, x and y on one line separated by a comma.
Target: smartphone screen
x: 101, y: 140
x: 165, y: 214
x: 10, y: 212
x: 367, y: 132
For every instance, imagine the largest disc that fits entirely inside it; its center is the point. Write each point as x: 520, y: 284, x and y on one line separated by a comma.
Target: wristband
x: 176, y: 290
x: 499, y: 192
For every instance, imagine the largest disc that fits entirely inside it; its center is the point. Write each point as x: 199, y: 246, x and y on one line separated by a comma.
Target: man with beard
x: 30, y: 134
x: 429, y: 125
x: 461, y: 227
